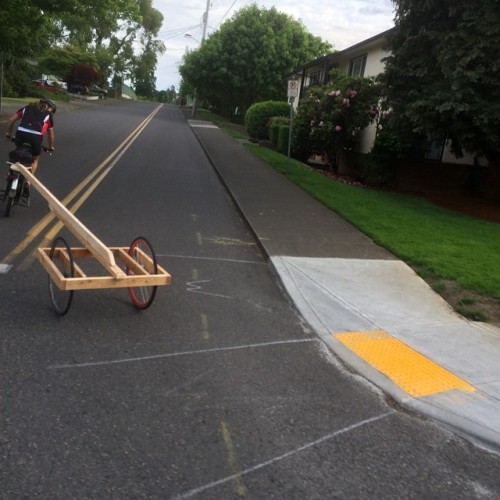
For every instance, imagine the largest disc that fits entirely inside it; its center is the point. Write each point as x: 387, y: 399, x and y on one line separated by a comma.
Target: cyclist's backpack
x: 21, y: 155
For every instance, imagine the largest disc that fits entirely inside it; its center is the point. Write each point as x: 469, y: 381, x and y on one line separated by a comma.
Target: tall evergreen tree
x: 443, y: 76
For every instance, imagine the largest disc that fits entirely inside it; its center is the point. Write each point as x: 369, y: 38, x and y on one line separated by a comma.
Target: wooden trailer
x: 134, y: 267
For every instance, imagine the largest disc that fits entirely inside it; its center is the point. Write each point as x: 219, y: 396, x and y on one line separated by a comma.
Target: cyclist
x: 36, y: 120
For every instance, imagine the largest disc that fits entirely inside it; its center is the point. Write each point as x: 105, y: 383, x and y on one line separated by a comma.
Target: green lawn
x: 447, y: 244
x: 435, y: 241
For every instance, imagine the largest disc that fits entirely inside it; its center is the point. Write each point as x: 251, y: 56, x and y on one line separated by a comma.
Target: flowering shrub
x: 329, y: 119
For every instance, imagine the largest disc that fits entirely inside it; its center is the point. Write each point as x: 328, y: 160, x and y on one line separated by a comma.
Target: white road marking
x: 192, y: 286
x: 176, y: 354
x: 304, y: 447
x: 237, y: 261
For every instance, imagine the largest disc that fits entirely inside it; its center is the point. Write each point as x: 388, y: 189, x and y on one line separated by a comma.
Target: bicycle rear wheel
x: 7, y: 189
x: 60, y: 254
x: 142, y: 252
x: 9, y: 200
x: 8, y: 205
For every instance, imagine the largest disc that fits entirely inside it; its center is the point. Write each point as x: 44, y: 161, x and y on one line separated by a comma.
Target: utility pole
x: 205, y: 21
x: 1, y: 81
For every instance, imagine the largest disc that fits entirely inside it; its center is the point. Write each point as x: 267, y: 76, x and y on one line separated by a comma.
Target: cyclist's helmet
x: 49, y: 104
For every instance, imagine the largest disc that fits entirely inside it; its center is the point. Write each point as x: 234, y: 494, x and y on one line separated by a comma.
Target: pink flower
x: 346, y: 102
x: 334, y: 93
x: 352, y: 93
x: 338, y: 128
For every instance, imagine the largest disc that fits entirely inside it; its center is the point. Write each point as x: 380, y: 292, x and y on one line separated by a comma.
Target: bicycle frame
x: 15, y: 193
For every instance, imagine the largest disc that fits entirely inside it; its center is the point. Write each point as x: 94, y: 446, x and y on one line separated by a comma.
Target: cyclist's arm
x: 10, y: 124
x: 50, y: 138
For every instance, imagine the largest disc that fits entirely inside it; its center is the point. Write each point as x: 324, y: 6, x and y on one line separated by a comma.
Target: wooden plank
x: 84, y: 282
x: 61, y: 254
x: 51, y: 268
x: 130, y: 262
x: 98, y: 249
x: 104, y: 282
x: 81, y: 253
x: 123, y: 256
x: 79, y: 273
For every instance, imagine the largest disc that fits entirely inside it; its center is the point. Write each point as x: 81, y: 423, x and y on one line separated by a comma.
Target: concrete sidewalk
x: 370, y: 308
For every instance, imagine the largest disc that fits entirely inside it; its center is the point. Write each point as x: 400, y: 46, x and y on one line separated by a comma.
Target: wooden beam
x: 98, y: 249
x: 84, y: 282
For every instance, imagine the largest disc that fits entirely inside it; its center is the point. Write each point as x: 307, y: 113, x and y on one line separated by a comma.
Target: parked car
x: 55, y: 81
x: 43, y: 84
x: 78, y: 88
x: 95, y: 89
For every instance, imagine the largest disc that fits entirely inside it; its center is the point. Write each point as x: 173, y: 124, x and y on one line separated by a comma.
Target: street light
x: 188, y: 35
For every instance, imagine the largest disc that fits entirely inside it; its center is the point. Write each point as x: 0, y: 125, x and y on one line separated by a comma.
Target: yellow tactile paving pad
x: 408, y: 369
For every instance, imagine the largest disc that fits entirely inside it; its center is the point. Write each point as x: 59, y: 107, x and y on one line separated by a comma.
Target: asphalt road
x: 219, y: 390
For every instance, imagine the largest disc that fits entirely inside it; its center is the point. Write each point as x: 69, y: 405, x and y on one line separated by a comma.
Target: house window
x: 433, y: 149
x: 310, y: 80
x: 357, y: 66
x: 314, y: 79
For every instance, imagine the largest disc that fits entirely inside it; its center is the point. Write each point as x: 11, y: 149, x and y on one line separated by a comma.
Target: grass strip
x: 427, y: 237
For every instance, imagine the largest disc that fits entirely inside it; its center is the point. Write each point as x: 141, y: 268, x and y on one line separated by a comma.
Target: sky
x: 341, y: 22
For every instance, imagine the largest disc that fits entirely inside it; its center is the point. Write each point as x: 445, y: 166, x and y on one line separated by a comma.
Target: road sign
x: 293, y: 88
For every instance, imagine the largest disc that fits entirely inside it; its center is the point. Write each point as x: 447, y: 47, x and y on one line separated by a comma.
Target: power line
x: 176, y: 30
x: 169, y: 34
x: 227, y: 12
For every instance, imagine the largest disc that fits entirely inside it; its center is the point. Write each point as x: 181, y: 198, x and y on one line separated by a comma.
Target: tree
x: 27, y: 27
x: 84, y: 73
x: 443, y: 77
x: 61, y: 60
x: 330, y: 117
x: 110, y: 28
x: 143, y: 75
x: 169, y: 95
x: 247, y: 59
x: 105, y: 30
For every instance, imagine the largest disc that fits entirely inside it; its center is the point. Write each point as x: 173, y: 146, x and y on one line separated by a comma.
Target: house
x: 365, y: 59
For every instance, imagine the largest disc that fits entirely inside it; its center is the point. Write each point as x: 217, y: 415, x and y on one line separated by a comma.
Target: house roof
x: 338, y: 54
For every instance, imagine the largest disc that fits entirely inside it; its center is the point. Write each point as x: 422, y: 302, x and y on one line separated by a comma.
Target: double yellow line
x: 86, y: 187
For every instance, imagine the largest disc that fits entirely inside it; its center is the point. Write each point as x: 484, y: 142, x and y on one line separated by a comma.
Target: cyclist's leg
x: 34, y: 164
x: 19, y: 139
x: 36, y: 146
x: 35, y: 141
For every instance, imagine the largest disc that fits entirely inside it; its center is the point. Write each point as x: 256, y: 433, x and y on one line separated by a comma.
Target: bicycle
x: 17, y: 187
